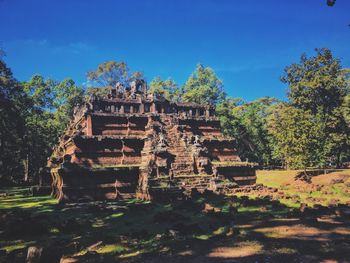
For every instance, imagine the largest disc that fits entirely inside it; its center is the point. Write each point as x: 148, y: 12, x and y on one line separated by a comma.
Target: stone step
x: 181, y: 165
x: 180, y: 159
x: 181, y: 154
x: 185, y: 160
x: 183, y: 172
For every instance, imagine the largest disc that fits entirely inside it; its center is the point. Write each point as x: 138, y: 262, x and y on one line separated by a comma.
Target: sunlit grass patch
x: 248, y: 209
x: 289, y: 203
x: 202, y: 237
x: 339, y: 189
x: 111, y: 249
x: 21, y: 198
x: 16, y: 245
x: 275, y: 178
x: 224, y: 230
x: 115, y: 215
x: 323, y: 190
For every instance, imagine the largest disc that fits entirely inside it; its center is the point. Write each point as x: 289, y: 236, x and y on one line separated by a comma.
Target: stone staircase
x: 183, y: 163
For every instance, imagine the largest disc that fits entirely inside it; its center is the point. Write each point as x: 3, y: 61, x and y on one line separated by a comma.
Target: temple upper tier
x: 136, y: 100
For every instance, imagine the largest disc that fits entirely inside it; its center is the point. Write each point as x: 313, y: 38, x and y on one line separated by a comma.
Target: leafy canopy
x: 168, y: 88
x: 247, y: 123
x: 109, y: 73
x: 318, y: 87
x: 203, y: 87
x: 296, y: 136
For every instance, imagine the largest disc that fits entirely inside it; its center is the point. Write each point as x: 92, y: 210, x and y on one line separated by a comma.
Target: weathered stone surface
x: 132, y: 144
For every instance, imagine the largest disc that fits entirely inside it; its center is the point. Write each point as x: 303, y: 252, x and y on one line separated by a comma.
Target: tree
x: 168, y: 88
x: 203, y: 87
x: 109, y: 73
x: 52, y: 104
x: 40, y: 91
x: 296, y: 134
x: 13, y: 102
x: 247, y: 123
x: 346, y: 109
x: 67, y: 96
x: 318, y: 84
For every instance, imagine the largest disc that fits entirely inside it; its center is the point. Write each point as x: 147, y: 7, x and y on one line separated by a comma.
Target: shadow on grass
x: 206, y: 228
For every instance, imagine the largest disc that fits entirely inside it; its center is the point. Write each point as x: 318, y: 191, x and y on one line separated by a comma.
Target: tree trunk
x: 338, y: 159
x: 26, y: 169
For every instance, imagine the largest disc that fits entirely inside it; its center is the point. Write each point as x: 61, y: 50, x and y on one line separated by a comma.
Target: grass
x: 111, y: 249
x: 322, y: 190
x: 128, y: 229
x: 133, y: 230
x: 21, y: 198
x: 16, y: 245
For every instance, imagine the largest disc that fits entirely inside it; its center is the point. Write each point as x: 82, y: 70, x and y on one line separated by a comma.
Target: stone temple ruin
x: 134, y: 144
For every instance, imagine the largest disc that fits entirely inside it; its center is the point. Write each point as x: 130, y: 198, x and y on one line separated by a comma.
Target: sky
x: 247, y: 43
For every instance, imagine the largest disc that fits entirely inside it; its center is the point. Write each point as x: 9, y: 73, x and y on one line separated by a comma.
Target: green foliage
x: 346, y: 103
x: 33, y: 115
x: 52, y: 108
x: 346, y: 109
x: 12, y: 126
x: 311, y: 129
x: 67, y: 96
x: 168, y: 88
x: 40, y: 91
x: 247, y: 123
x: 318, y: 86
x: 203, y: 87
x: 98, y: 92
x: 296, y: 135
x: 109, y: 73
x: 316, y: 82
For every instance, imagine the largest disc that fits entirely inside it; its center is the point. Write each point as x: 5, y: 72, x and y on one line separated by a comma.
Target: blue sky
x: 248, y: 43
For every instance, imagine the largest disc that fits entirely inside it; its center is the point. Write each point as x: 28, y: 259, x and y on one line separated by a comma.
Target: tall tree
x: 51, y: 109
x: 318, y: 84
x: 203, y: 87
x: 13, y: 102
